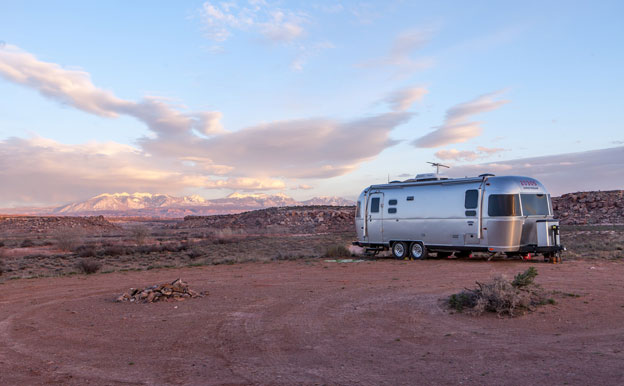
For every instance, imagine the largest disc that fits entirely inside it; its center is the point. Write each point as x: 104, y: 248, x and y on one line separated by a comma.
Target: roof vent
x: 430, y: 177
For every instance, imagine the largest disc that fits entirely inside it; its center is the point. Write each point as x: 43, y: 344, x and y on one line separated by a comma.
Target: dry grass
x: 88, y: 266
x: 335, y: 251
x: 68, y: 238
x: 502, y: 296
x: 593, y: 241
x: 139, y: 233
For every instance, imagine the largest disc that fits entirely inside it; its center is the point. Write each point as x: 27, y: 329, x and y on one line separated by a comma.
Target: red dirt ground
x: 378, y: 322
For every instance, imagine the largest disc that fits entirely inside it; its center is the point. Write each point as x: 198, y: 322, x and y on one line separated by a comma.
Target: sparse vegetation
x: 335, y: 251
x: 89, y: 266
x: 502, y: 296
x: 68, y: 238
x: 139, y: 233
x: 194, y: 254
x: 86, y: 251
x: 27, y: 243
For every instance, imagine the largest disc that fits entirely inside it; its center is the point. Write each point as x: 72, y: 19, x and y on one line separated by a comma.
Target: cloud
x: 400, y: 55
x: 456, y: 127
x: 401, y: 100
x: 601, y: 169
x: 39, y: 170
x: 302, y: 187
x: 74, y: 88
x: 275, y: 24
x: 306, y: 52
x: 282, y: 28
x: 307, y: 148
x: 467, y: 155
x: 246, y: 184
x: 184, y: 150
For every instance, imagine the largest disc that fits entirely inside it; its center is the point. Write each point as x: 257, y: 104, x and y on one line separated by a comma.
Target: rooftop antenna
x: 437, y: 166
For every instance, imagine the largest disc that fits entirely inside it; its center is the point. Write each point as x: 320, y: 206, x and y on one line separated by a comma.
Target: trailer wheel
x: 399, y: 250
x: 418, y: 251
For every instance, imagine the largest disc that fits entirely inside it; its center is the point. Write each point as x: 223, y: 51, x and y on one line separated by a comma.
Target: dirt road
x: 379, y: 322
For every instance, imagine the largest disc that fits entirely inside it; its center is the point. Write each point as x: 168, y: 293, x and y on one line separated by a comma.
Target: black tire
x: 444, y: 255
x: 399, y: 250
x: 418, y: 251
x: 463, y: 254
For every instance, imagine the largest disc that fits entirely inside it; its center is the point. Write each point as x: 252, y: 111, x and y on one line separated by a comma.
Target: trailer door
x: 472, y: 223
x: 375, y: 218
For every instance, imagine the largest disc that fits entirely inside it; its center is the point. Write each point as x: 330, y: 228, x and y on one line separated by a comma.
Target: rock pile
x: 294, y: 220
x: 174, y: 291
x: 590, y: 208
x: 48, y: 224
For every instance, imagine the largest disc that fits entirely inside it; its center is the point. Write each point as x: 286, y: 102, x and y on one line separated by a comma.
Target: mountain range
x: 166, y: 206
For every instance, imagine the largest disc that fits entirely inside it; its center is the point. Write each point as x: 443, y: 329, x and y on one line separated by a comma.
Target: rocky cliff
x: 590, y: 208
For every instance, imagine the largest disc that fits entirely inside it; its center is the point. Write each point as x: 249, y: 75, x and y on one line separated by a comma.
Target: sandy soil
x: 314, y: 322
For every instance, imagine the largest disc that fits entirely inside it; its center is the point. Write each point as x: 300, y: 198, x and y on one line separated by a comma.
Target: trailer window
x: 410, y: 198
x: 392, y: 202
x: 375, y: 205
x: 504, y: 205
x: 535, y: 205
x: 472, y: 199
x: 392, y: 210
x: 358, y: 210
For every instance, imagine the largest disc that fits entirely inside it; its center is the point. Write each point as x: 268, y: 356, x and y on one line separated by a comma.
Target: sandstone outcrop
x: 49, y: 224
x: 299, y: 219
x: 590, y: 208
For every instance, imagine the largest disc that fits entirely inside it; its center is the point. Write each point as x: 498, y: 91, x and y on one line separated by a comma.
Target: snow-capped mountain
x: 125, y: 201
x: 163, y: 205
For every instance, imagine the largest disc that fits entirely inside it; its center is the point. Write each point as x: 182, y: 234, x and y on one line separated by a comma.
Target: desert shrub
x: 337, y: 251
x: 139, y: 233
x: 223, y: 240
x: 286, y: 257
x: 1, y: 244
x: 169, y: 247
x: 27, y: 243
x: 501, y: 295
x: 68, y: 238
x: 113, y: 250
x: 85, y: 251
x: 88, y: 266
x: 194, y: 254
x: 145, y: 249
x: 525, y: 278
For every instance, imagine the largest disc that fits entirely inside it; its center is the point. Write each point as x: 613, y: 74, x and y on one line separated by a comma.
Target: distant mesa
x: 166, y: 206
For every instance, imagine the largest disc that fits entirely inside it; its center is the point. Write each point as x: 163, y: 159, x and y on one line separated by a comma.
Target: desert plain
x: 287, y: 302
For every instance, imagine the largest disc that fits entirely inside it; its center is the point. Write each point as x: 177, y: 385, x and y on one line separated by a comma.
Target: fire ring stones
x: 174, y: 291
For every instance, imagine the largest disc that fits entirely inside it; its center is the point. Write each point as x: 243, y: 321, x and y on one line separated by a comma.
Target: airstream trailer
x: 432, y: 213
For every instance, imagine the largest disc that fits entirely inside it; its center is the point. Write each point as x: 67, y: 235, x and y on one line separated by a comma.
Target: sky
x: 305, y: 98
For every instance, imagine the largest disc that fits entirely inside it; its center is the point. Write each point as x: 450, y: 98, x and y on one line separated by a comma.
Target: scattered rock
x: 293, y: 220
x: 49, y: 224
x: 590, y: 208
x: 174, y: 291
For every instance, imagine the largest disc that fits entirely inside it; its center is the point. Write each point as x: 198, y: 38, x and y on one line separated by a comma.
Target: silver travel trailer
x: 432, y: 213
